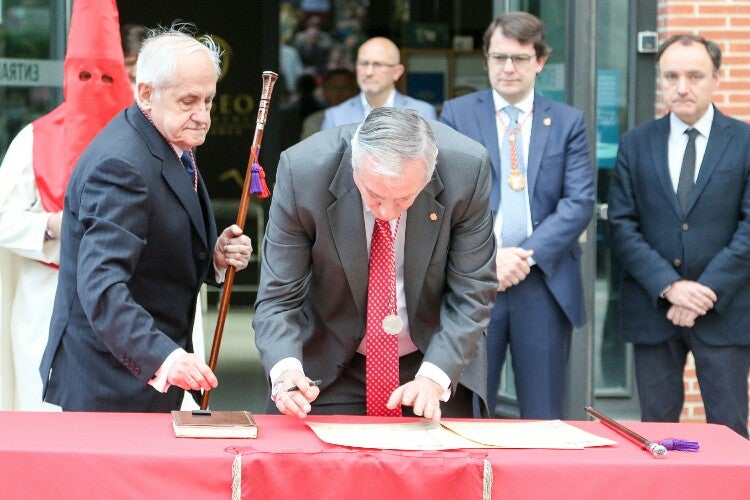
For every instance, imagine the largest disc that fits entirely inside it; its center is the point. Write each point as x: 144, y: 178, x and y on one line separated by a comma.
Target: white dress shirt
x: 678, y: 139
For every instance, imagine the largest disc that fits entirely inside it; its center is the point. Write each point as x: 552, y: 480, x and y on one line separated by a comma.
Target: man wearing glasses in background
x: 542, y: 197
x: 378, y: 69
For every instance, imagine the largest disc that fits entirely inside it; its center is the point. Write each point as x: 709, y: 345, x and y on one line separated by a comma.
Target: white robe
x: 27, y: 285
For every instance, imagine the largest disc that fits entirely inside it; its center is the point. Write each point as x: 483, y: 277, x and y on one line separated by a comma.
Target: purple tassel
x: 680, y: 445
x: 255, y: 179
x: 258, y: 184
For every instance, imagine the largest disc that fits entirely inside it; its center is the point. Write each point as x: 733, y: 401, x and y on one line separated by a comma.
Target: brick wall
x: 726, y: 22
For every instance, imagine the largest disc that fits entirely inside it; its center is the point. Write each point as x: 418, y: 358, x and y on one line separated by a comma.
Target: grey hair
x: 390, y: 135
x: 157, y: 59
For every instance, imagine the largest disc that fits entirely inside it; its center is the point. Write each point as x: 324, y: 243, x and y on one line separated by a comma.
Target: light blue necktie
x: 512, y: 202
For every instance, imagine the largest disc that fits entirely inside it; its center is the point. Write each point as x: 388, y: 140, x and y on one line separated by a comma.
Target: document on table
x: 554, y: 434
x: 450, y: 435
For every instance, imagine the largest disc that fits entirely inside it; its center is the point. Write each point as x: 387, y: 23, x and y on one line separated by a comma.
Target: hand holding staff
x: 255, y: 184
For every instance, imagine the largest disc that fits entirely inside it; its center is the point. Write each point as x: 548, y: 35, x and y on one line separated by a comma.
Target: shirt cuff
x: 282, y: 366
x: 219, y: 273
x: 435, y: 374
x: 159, y: 381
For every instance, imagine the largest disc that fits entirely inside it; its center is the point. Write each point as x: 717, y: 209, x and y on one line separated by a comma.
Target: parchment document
x: 451, y: 435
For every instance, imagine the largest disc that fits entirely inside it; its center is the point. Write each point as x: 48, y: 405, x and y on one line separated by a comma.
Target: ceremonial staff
x: 656, y: 449
x: 254, y: 184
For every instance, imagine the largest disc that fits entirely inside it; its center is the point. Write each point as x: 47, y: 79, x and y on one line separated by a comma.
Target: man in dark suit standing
x: 679, y: 209
x: 138, y: 240
x: 320, y: 312
x: 542, y: 198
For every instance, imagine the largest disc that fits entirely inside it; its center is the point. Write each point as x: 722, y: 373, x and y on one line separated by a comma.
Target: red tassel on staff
x: 255, y: 183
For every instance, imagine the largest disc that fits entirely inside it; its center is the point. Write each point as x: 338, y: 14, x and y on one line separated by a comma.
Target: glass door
x: 32, y: 47
x: 614, y: 386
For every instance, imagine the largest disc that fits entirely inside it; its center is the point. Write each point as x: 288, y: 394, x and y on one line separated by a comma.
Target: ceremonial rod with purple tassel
x: 656, y: 449
x: 254, y: 184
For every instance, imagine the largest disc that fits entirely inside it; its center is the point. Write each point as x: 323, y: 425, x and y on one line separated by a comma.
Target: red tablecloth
x: 113, y: 456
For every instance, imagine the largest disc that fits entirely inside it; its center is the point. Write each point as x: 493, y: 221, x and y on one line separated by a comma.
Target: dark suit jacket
x: 658, y: 244
x: 313, y: 289
x: 560, y: 180
x: 136, y: 245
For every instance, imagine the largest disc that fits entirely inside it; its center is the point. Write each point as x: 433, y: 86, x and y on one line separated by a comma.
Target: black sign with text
x: 248, y: 34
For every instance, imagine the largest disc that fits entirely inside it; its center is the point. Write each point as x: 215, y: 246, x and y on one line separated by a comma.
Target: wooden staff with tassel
x: 255, y: 183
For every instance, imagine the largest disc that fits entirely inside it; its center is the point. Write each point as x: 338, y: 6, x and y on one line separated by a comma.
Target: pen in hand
x: 312, y: 383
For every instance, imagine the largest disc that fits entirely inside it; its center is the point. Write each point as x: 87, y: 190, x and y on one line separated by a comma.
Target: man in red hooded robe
x: 33, y: 178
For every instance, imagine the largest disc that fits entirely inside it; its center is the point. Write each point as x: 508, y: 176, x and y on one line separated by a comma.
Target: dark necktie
x: 381, y: 360
x: 687, y: 172
x: 187, y: 162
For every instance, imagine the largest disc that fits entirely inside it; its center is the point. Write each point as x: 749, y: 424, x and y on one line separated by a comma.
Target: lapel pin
x: 547, y: 122
x: 433, y: 216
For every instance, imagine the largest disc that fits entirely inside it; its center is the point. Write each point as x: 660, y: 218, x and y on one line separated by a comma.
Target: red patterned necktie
x: 382, y: 348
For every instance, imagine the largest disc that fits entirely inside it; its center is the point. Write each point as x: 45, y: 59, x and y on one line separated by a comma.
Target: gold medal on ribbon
x: 392, y: 324
x: 516, y: 180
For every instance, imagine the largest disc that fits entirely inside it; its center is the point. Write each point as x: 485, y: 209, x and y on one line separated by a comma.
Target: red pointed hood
x: 96, y: 88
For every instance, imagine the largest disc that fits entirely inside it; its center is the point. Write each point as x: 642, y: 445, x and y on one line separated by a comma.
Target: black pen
x: 312, y: 383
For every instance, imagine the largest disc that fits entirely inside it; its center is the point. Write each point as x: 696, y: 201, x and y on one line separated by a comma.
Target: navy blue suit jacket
x: 659, y: 244
x: 137, y: 243
x: 560, y: 182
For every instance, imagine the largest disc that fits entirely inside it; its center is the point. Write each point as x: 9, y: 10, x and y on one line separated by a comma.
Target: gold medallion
x: 516, y: 180
x: 392, y: 324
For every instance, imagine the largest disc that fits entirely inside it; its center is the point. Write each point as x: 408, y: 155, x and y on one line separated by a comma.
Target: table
x: 120, y: 455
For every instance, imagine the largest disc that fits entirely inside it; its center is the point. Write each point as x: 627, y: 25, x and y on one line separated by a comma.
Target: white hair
x: 157, y: 59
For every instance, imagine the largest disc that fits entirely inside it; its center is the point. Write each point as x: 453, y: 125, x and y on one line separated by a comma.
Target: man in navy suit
x: 138, y: 240
x: 679, y: 209
x: 378, y: 69
x: 542, y: 197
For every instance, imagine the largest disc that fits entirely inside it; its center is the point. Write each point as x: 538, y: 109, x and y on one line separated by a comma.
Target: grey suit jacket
x: 136, y: 245
x: 313, y: 289
x: 352, y: 110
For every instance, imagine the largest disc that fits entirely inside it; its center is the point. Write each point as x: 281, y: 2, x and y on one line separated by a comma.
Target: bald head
x: 383, y: 48
x: 378, y: 69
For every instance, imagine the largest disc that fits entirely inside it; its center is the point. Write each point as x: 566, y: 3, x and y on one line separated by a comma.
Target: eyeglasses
x: 376, y: 65
x: 518, y: 60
